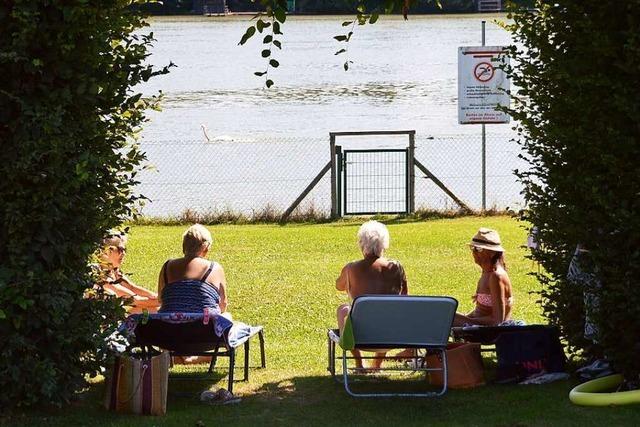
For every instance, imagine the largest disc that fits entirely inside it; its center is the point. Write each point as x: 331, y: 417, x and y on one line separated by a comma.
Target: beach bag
x: 525, y: 353
x: 138, y: 385
x: 465, y: 368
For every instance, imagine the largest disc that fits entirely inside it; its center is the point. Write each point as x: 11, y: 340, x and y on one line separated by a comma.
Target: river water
x: 403, y: 76
x: 221, y: 129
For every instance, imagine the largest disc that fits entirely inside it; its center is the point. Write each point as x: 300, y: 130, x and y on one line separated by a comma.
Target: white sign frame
x: 482, y: 85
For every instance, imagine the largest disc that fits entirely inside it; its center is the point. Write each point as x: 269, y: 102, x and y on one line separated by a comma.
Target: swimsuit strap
x: 208, y: 272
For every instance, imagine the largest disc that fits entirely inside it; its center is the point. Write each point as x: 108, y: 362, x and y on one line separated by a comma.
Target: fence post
x: 484, y: 145
x: 412, y: 172
x: 339, y: 168
x: 334, y: 204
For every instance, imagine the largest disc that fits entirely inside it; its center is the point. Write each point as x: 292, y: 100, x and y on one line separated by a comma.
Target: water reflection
x: 372, y: 93
x: 404, y: 75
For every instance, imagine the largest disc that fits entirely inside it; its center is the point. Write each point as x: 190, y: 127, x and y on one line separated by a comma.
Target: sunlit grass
x: 283, y: 277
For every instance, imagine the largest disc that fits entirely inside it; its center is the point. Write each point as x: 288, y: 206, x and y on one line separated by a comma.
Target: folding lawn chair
x: 385, y: 322
x: 196, y: 334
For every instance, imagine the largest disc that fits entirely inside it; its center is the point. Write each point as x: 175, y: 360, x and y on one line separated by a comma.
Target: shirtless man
x: 374, y: 274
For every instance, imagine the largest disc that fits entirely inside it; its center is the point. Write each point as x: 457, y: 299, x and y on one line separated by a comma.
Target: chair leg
x: 345, y: 374
x: 329, y: 355
x: 347, y: 387
x: 232, y: 366
x: 332, y: 357
x: 263, y: 362
x: 246, y: 360
x: 214, y: 360
x: 445, y: 372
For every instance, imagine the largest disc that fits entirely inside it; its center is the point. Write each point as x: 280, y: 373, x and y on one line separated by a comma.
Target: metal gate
x: 375, y: 181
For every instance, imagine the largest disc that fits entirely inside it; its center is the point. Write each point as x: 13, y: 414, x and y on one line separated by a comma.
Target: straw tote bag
x: 464, y: 366
x: 138, y: 385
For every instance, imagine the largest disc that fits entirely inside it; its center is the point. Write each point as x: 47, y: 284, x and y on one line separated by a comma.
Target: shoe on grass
x: 219, y: 397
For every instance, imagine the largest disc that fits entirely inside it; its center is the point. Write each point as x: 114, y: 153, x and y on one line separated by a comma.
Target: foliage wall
x: 578, y: 67
x: 67, y: 114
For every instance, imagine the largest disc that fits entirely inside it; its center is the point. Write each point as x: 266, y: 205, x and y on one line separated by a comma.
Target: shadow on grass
x: 318, y: 400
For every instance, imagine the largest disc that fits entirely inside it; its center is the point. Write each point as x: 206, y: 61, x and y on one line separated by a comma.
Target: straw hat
x: 487, y: 238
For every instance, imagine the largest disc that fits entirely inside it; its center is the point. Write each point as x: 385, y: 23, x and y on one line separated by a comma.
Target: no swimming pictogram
x: 483, y: 72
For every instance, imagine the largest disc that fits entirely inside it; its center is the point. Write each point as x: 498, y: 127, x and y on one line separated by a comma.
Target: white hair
x: 196, y: 239
x: 373, y: 238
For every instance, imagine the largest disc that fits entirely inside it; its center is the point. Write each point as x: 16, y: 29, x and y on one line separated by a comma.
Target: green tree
x: 577, y: 63
x: 68, y: 163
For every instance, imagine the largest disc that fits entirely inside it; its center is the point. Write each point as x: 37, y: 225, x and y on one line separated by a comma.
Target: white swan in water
x: 204, y: 131
x: 221, y: 138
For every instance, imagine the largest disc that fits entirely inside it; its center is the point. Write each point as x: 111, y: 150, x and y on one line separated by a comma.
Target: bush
x: 578, y: 67
x: 68, y: 164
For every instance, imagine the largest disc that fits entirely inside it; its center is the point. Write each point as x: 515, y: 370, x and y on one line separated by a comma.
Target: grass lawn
x: 283, y: 278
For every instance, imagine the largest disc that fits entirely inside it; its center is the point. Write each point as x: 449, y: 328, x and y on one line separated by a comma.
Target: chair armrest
x: 248, y: 332
x: 334, y: 335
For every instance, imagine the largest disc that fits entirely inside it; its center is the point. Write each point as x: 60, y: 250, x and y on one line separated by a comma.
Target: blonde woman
x: 115, y: 282
x: 192, y: 283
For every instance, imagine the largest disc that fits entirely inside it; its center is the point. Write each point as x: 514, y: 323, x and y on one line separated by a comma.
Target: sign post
x: 484, y: 141
x: 482, y: 87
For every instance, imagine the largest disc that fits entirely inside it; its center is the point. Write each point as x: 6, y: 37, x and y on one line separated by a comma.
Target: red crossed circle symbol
x: 483, y: 72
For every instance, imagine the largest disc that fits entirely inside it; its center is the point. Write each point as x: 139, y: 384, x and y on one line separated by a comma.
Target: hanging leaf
x: 340, y: 51
x: 276, y: 28
x: 347, y: 23
x: 267, y: 39
x: 260, y: 73
x: 346, y: 66
x: 247, y: 35
x: 274, y: 63
x: 388, y: 6
x: 280, y: 15
x: 340, y: 38
x: 269, y: 83
x: 260, y: 25
x: 266, y: 53
x: 277, y: 44
x: 374, y: 18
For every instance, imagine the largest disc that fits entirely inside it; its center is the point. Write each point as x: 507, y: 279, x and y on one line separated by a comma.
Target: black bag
x: 525, y: 353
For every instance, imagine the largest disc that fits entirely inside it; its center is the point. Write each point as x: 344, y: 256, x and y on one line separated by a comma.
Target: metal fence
x: 247, y: 176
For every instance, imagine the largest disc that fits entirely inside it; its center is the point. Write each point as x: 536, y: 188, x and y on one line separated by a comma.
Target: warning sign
x: 482, y: 85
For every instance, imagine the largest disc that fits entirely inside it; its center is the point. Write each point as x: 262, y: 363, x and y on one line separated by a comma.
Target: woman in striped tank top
x: 192, y: 283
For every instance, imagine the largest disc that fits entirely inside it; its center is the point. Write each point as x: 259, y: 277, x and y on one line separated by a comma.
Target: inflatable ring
x: 590, y: 393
